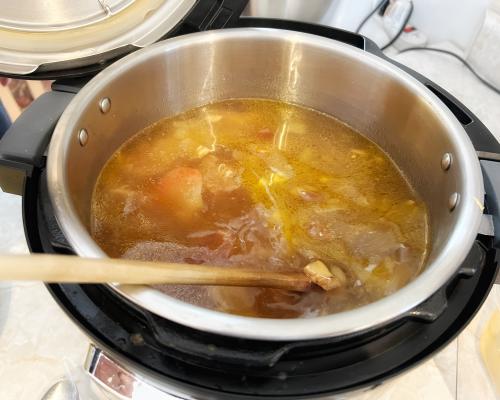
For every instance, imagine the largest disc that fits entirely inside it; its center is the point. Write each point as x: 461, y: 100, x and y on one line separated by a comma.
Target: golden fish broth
x: 266, y: 184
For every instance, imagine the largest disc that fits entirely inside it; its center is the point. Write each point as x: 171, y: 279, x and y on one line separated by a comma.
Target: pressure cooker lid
x: 61, y: 15
x: 37, y: 37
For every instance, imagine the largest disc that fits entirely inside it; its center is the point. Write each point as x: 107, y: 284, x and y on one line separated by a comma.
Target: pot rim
x: 363, y: 318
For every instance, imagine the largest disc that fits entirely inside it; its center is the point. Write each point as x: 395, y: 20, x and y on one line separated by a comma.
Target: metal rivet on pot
x: 105, y: 105
x: 453, y: 201
x: 446, y: 161
x: 83, y: 137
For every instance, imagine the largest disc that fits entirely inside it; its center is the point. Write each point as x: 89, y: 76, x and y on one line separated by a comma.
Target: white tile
x: 473, y: 380
x: 446, y: 362
x: 12, y: 238
x: 423, y: 382
x: 38, y: 342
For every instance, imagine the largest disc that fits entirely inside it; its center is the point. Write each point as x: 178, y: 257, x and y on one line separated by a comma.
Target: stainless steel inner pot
x: 373, y: 96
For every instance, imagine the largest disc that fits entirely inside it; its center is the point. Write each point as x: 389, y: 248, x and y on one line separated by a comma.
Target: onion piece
x: 324, y: 277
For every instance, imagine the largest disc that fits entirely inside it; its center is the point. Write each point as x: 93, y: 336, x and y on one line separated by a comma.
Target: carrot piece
x: 180, y: 190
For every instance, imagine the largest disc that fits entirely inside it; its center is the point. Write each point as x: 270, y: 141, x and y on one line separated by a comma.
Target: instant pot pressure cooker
x: 149, y: 345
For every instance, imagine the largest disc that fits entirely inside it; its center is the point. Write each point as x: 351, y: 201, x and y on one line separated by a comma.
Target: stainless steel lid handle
x: 110, y: 376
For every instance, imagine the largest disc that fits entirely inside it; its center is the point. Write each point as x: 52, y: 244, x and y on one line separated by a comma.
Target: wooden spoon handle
x: 58, y: 268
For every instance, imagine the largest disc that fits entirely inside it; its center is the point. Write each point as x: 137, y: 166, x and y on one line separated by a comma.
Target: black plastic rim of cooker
x: 215, y: 366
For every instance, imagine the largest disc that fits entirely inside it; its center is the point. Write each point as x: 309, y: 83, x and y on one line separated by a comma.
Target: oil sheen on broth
x: 265, y: 184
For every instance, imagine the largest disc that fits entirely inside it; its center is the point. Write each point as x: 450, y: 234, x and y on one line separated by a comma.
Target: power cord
x: 469, y: 67
x: 365, y: 20
x: 372, y: 13
x: 401, y: 30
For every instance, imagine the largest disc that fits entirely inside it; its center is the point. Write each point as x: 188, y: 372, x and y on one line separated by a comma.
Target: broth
x: 266, y: 184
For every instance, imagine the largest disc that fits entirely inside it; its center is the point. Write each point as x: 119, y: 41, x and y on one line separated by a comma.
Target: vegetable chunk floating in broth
x: 266, y: 184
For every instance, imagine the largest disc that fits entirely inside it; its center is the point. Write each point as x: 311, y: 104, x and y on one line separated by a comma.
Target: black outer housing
x: 222, y: 367
x: 216, y: 366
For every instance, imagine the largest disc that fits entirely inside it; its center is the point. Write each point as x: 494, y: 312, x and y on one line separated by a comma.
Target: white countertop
x: 39, y: 344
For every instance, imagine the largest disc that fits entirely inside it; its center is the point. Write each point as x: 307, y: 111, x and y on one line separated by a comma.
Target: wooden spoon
x: 59, y: 268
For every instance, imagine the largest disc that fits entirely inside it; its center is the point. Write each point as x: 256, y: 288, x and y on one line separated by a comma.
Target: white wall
x: 455, y: 21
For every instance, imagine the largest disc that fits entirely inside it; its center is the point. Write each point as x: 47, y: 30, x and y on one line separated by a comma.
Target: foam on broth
x: 266, y: 184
